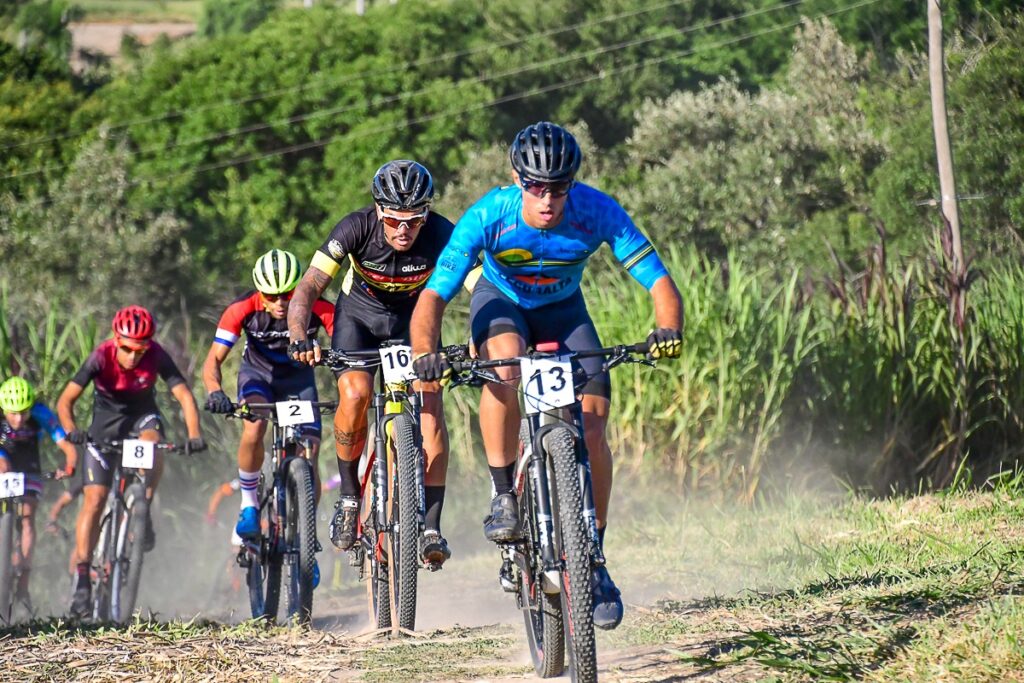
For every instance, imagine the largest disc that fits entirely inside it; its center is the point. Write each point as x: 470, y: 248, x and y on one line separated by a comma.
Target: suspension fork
x: 415, y: 407
x: 587, y: 487
x: 538, y: 471
x: 380, y: 460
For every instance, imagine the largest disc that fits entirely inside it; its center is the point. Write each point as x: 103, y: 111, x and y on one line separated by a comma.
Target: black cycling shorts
x: 98, y: 467
x: 566, y: 322
x: 256, y: 385
x: 360, y: 325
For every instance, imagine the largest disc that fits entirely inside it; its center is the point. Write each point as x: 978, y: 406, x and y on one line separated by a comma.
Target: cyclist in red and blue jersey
x: 124, y: 371
x: 23, y: 423
x: 267, y: 374
x: 537, y: 236
x: 393, y: 246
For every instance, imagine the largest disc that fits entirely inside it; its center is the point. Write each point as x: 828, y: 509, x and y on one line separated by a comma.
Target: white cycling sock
x: 247, y: 485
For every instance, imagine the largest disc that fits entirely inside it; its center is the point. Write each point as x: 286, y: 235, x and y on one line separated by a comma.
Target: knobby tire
x: 300, y: 537
x: 104, y: 556
x: 404, y: 506
x: 263, y: 576
x: 542, y: 612
x: 573, y: 545
x: 127, y: 571
x: 8, y: 519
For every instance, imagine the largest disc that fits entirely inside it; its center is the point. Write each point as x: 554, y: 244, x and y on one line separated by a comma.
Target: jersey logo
x: 337, y: 251
x: 411, y: 268
x: 376, y: 267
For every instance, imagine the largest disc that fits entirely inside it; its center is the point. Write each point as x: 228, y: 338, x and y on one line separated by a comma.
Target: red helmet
x: 134, y: 322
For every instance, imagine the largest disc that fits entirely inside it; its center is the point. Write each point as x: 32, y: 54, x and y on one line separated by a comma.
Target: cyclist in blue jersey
x: 23, y: 422
x: 536, y: 237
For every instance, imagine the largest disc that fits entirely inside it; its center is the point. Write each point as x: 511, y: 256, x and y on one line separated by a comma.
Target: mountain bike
x: 117, y: 557
x: 287, y: 510
x: 391, y: 526
x: 12, y: 497
x: 549, y: 570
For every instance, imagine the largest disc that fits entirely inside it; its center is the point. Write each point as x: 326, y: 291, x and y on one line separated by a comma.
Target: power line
x: 258, y: 96
x: 599, y: 75
x: 293, y: 120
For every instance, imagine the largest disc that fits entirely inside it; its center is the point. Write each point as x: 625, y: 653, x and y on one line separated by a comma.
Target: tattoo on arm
x: 312, y: 285
x: 350, y: 438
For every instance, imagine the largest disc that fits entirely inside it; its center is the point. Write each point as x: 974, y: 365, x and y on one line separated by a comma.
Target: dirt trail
x: 105, y: 37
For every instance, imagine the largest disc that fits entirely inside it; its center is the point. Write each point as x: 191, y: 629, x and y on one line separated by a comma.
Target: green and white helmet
x: 16, y: 395
x: 276, y: 272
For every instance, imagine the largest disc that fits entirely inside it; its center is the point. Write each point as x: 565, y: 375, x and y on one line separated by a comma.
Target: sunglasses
x: 410, y: 222
x: 138, y: 347
x: 538, y: 188
x: 273, y: 298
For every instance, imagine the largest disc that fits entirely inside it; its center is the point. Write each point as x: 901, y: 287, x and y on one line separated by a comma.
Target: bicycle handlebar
x: 117, y: 443
x: 243, y: 411
x: 619, y: 354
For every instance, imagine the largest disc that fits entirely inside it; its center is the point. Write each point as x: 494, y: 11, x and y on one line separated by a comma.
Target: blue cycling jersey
x: 534, y: 267
x: 21, y: 446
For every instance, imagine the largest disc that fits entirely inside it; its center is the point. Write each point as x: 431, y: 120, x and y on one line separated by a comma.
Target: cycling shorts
x: 567, y: 322
x: 98, y: 467
x: 361, y: 325
x: 256, y: 385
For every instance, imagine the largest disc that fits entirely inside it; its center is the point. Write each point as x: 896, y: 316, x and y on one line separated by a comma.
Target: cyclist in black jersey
x: 392, y: 247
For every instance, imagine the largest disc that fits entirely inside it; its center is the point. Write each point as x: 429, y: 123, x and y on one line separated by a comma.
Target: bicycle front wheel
x: 300, y: 539
x: 104, y: 558
x: 263, y: 572
x: 404, y: 509
x: 572, y: 545
x: 8, y: 518
x: 542, y: 611
x: 127, y: 569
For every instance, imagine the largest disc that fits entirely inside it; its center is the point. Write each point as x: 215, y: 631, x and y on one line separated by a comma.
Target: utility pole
x: 937, y: 79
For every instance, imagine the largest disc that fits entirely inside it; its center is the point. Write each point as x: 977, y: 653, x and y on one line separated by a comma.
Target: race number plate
x: 137, y: 454
x: 294, y: 413
x: 396, y: 364
x: 547, y: 384
x: 12, y: 484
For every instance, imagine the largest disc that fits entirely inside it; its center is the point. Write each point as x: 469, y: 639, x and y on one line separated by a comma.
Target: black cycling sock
x: 349, y: 471
x: 434, y: 499
x: 600, y: 535
x: 502, y: 478
x: 83, y: 575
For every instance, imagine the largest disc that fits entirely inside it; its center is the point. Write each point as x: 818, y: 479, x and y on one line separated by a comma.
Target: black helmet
x: 403, y: 185
x: 546, y: 152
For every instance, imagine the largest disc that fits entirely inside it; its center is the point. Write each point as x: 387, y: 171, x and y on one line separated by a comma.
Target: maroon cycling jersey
x: 380, y: 273
x: 266, y: 337
x: 127, y: 391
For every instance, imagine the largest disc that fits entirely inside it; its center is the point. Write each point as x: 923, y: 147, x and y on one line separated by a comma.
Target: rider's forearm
x: 425, y: 325
x: 188, y: 409
x: 66, y: 406
x: 668, y: 304
x: 70, y: 455
x: 314, y: 282
x: 211, y: 373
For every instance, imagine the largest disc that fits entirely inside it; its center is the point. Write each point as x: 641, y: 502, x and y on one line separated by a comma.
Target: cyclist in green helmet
x: 266, y: 374
x: 23, y: 424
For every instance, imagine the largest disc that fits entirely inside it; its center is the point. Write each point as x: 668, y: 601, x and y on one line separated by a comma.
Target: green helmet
x: 16, y: 395
x: 276, y: 272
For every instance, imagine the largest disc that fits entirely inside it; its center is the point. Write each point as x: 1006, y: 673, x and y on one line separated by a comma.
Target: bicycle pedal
x: 506, y: 577
x: 243, y: 559
x: 356, y: 556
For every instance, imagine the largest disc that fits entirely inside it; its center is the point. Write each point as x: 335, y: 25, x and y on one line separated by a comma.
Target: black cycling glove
x: 218, y: 402
x: 432, y: 367
x: 78, y: 437
x: 196, y: 445
x: 664, y: 342
x: 302, y: 346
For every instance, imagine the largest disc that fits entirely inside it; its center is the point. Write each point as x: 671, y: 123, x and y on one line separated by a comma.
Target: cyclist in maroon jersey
x: 124, y: 371
x: 266, y: 374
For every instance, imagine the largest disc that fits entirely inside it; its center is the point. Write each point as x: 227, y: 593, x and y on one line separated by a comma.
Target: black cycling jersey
x: 379, y: 272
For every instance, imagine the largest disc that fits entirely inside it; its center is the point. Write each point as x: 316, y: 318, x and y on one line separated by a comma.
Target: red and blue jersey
x: 266, y: 337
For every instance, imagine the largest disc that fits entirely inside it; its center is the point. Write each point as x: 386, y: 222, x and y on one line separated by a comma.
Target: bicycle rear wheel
x: 127, y: 569
x: 8, y: 519
x: 300, y: 539
x: 572, y: 545
x: 263, y: 574
x: 104, y: 557
x: 403, y: 505
x: 542, y: 612
x: 375, y: 568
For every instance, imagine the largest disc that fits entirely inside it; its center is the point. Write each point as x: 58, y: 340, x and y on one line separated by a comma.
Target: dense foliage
x: 766, y: 144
